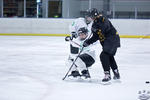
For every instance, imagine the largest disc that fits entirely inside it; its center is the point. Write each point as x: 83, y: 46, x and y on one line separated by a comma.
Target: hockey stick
x: 70, y: 39
x: 75, y: 43
x: 73, y: 64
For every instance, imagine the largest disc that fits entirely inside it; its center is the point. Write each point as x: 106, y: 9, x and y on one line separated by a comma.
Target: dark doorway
x: 13, y: 8
x: 55, y: 9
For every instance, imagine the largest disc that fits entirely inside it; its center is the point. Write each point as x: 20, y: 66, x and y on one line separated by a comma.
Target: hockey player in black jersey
x: 105, y: 32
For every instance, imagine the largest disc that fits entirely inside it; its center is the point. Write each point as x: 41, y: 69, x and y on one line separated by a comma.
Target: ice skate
x: 85, y: 74
x: 107, y: 78
x: 74, y: 74
x: 116, y: 76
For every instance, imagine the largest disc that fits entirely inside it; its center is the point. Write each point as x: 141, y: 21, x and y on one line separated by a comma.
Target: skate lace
x: 116, y: 71
x: 107, y: 76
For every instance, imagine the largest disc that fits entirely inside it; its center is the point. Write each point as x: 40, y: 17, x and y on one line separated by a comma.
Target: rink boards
x: 127, y: 28
x: 29, y: 34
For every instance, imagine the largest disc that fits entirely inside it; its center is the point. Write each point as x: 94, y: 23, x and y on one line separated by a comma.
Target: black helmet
x: 92, y: 13
x: 82, y: 30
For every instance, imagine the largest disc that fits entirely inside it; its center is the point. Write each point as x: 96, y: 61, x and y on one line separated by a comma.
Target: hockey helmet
x: 92, y: 13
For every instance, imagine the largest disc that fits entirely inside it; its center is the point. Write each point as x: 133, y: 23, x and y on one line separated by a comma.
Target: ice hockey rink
x: 32, y: 68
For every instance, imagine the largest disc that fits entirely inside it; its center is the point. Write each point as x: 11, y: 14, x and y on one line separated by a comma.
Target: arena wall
x: 129, y: 28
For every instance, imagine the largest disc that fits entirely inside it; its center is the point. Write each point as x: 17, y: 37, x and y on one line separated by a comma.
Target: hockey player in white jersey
x: 85, y: 59
x: 74, y: 27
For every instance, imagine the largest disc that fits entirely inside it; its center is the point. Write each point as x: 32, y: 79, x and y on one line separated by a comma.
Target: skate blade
x: 73, y: 78
x: 78, y: 79
x: 83, y: 77
x: 106, y: 83
x: 116, y: 81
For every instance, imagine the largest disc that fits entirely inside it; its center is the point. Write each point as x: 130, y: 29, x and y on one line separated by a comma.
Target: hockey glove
x: 74, y: 35
x: 68, y: 38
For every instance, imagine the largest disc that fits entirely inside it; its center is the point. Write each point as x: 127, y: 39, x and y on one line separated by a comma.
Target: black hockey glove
x: 68, y: 38
x: 74, y: 35
x: 85, y: 44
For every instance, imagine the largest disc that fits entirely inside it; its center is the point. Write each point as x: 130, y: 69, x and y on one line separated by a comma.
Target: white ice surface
x: 32, y: 68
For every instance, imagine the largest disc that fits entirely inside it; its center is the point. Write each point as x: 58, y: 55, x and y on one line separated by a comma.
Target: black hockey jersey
x: 105, y: 32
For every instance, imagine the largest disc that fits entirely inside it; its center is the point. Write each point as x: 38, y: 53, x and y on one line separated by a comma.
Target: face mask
x: 88, y: 20
x: 82, y: 36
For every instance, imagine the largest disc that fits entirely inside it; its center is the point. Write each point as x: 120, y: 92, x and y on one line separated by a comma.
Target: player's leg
x: 73, y: 53
x: 114, y: 68
x: 74, y: 70
x: 85, y: 61
x: 113, y: 65
x: 104, y: 57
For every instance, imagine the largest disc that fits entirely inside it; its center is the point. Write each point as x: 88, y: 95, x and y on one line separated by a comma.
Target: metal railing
x: 137, y: 9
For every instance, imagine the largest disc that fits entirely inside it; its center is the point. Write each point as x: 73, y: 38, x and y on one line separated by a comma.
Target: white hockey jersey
x: 88, y: 50
x: 74, y: 27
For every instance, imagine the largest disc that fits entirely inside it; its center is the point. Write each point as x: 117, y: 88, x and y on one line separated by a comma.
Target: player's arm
x: 91, y: 40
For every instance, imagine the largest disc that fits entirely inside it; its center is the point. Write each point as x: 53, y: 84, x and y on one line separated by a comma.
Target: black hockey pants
x: 108, y: 61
